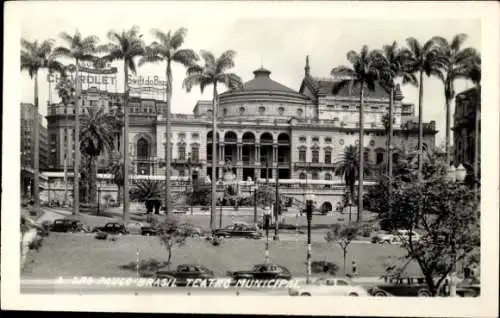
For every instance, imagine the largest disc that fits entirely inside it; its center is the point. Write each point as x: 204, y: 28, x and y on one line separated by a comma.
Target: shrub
x: 324, y: 267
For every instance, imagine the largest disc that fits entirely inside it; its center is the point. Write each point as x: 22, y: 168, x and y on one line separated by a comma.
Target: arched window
x: 302, y: 139
x: 328, y: 176
x: 299, y: 112
x: 315, y: 155
x: 182, y: 151
x: 281, y: 111
x: 328, y: 155
x: 224, y: 111
x: 315, y: 175
x: 262, y: 110
x: 142, y: 148
x: 302, y: 176
x: 242, y: 110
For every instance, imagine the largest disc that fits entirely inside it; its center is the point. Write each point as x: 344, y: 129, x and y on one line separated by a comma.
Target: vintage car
x: 66, y: 225
x: 183, y: 272
x: 329, y: 286
x: 111, y: 228
x: 263, y: 271
x: 238, y: 229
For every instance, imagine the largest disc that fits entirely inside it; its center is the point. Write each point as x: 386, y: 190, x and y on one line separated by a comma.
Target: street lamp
x: 191, y: 181
x: 309, y: 210
x: 267, y: 216
x: 277, y: 208
x: 455, y: 175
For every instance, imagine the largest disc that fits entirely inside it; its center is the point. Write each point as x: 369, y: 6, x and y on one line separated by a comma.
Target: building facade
x: 28, y: 119
x: 467, y: 107
x: 264, y: 129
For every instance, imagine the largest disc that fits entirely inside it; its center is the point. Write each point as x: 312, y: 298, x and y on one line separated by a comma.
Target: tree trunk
x: 420, y: 124
x: 168, y: 148
x: 214, y: 157
x: 477, y: 139
x: 345, y: 256
x: 389, y: 147
x: 76, y: 173
x: 92, y: 179
x: 118, y: 196
x: 361, y: 153
x: 36, y: 152
x: 448, y: 131
x: 125, y: 143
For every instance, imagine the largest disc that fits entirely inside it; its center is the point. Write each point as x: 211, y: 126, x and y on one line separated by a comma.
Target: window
x: 281, y: 111
x: 302, y: 139
x: 181, y: 173
x: 262, y: 110
x: 195, y: 153
x: 380, y: 157
x: 328, y: 156
x: 328, y: 140
x: 181, y: 136
x: 182, y: 152
x: 315, y: 139
x: 302, y: 176
x: 342, y: 283
x: 302, y: 155
x: 224, y: 111
x: 142, y: 148
x: 315, y: 175
x: 195, y: 135
x: 242, y: 110
x: 299, y: 112
x: 328, y: 176
x: 345, y: 107
x: 315, y: 156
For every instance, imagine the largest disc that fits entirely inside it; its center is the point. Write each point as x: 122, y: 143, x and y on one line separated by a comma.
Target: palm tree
x: 364, y: 73
x: 168, y: 49
x: 79, y: 49
x: 422, y: 59
x: 392, y: 68
x: 454, y: 68
x: 34, y: 57
x: 348, y: 167
x: 213, y: 72
x: 96, y: 137
x: 66, y: 91
x: 125, y: 46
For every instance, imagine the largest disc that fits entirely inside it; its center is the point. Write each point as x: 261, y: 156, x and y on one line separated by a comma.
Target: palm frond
x: 343, y: 71
x: 231, y: 80
x: 457, y: 41
x: 177, y: 38
x: 225, y: 61
x: 185, y: 57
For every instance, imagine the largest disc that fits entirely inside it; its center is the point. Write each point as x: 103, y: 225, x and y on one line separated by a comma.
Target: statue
x: 228, y: 172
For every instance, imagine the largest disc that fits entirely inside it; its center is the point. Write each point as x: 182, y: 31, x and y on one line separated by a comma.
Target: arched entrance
x: 326, y: 207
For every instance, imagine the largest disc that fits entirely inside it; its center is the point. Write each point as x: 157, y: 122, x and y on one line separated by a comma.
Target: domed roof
x: 263, y: 82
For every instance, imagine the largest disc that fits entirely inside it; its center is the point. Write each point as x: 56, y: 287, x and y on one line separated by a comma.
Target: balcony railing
x: 186, y: 161
x: 313, y: 165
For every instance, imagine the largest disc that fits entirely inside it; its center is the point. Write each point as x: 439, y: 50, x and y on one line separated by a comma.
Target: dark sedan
x: 263, y: 272
x: 66, y: 225
x: 112, y: 228
x: 185, y: 272
x: 239, y: 230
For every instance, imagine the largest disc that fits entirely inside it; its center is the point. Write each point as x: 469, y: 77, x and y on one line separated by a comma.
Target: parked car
x: 239, y: 230
x: 263, y: 271
x: 134, y: 227
x: 67, y: 225
x: 384, y: 238
x: 111, y: 228
x: 204, y: 208
x: 404, y: 236
x: 185, y: 271
x: 413, y: 286
x: 193, y: 231
x: 329, y: 286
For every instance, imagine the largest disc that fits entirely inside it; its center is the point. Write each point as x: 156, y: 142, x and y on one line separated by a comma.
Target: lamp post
x: 99, y: 198
x: 220, y: 203
x: 277, y: 208
x: 309, y: 210
x: 455, y: 175
x: 191, y: 182
x: 267, y: 216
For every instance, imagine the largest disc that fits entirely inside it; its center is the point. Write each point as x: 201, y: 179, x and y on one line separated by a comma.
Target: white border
x: 486, y: 305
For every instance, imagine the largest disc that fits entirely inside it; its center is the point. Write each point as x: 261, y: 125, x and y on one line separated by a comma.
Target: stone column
x: 257, y: 154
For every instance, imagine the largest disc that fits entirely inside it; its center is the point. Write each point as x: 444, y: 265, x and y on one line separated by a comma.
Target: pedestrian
x: 354, y: 269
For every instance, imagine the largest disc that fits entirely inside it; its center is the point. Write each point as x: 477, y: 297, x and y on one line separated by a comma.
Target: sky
x: 280, y: 43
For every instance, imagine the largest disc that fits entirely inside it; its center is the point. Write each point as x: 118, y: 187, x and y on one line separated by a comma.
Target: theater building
x: 264, y: 129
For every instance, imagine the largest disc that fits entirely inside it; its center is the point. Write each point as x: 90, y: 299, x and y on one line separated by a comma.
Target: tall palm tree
x: 392, y: 69
x: 363, y: 73
x: 457, y: 59
x: 79, y: 49
x: 422, y: 59
x: 213, y: 72
x: 96, y: 137
x: 348, y: 166
x: 65, y: 88
x: 168, y: 49
x: 127, y: 46
x: 34, y: 57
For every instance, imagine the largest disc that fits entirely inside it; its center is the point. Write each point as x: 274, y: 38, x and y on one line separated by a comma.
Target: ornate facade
x: 264, y: 128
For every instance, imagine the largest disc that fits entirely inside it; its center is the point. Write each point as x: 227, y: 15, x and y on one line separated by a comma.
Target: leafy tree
x: 363, y: 73
x: 343, y: 235
x: 422, y: 58
x: 173, y: 233
x: 149, y: 192
x: 126, y: 46
x: 457, y: 60
x: 213, y: 72
x: 167, y: 49
x: 96, y: 137
x: 34, y: 57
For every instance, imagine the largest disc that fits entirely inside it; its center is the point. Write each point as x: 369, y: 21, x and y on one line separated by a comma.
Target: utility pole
x: 277, y: 207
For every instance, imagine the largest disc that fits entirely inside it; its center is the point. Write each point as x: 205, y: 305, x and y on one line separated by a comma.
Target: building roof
x: 263, y: 82
x: 324, y: 86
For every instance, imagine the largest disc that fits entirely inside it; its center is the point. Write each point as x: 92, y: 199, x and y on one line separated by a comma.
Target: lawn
x: 83, y: 255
